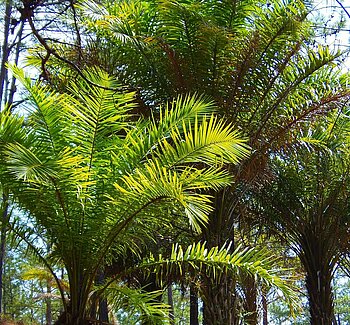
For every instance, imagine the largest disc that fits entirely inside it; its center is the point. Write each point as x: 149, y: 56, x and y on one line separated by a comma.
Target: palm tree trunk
x: 250, y: 305
x: 219, y: 302
x: 219, y: 296
x: 321, y: 303
x: 318, y: 262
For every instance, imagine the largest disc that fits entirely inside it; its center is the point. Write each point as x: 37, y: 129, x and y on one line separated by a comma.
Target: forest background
x: 258, y: 192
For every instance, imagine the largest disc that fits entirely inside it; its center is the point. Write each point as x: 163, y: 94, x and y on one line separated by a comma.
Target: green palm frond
x: 11, y: 129
x: 99, y: 111
x: 158, y: 184
x: 48, y: 113
x: 146, y: 305
x: 147, y: 135
x: 27, y: 166
x: 215, y: 261
x: 212, y: 142
x: 120, y: 20
x: 42, y: 274
x: 11, y: 132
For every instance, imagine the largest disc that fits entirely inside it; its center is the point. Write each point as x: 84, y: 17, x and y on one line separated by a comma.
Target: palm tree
x: 257, y: 60
x: 97, y: 179
x: 308, y: 201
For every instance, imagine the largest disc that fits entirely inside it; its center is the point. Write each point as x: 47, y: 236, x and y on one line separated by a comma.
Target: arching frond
x: 144, y: 305
x: 216, y: 261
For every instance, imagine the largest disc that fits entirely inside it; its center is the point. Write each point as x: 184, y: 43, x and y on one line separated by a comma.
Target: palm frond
x: 216, y: 261
x: 136, y: 302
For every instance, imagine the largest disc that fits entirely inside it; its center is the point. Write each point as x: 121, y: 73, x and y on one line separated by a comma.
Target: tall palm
x: 309, y: 202
x: 97, y: 179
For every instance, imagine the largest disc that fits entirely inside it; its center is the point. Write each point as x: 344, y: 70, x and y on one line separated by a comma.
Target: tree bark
x: 318, y: 261
x: 264, y: 305
x: 48, y: 314
x: 4, y: 222
x: 193, y: 306
x: 321, y: 305
x: 220, y: 306
x: 171, y: 304
x: 16, y: 59
x: 250, y: 301
x: 219, y: 295
x: 48, y: 305
x: 5, y: 50
x: 103, y: 311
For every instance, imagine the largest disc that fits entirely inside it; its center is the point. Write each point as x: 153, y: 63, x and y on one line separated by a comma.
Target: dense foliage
x: 175, y: 142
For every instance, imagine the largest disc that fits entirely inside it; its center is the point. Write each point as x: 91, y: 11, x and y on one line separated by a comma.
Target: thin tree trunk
x: 150, y: 284
x: 4, y: 222
x: 16, y: 59
x: 48, y: 305
x: 193, y: 306
x: 5, y: 50
x: 48, y: 314
x: 103, y: 311
x: 100, y: 313
x: 102, y: 302
x: 264, y: 305
x: 171, y: 304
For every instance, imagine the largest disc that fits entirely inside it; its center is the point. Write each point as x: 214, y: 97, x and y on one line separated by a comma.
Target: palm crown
x: 93, y: 174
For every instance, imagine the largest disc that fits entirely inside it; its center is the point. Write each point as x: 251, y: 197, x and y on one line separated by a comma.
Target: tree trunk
x: 321, y: 304
x: 99, y: 306
x: 219, y: 296
x: 102, y: 302
x: 48, y: 305
x: 4, y: 222
x: 220, y: 306
x: 150, y: 284
x: 318, y: 261
x: 264, y: 305
x: 250, y: 305
x: 171, y: 304
x: 193, y: 306
x: 16, y: 59
x: 48, y: 291
x: 103, y: 311
x: 5, y: 50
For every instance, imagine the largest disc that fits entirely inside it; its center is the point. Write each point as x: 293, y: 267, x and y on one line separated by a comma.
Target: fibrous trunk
x: 318, y: 284
x: 219, y: 300
x: 318, y: 261
x: 219, y: 297
x: 250, y: 290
